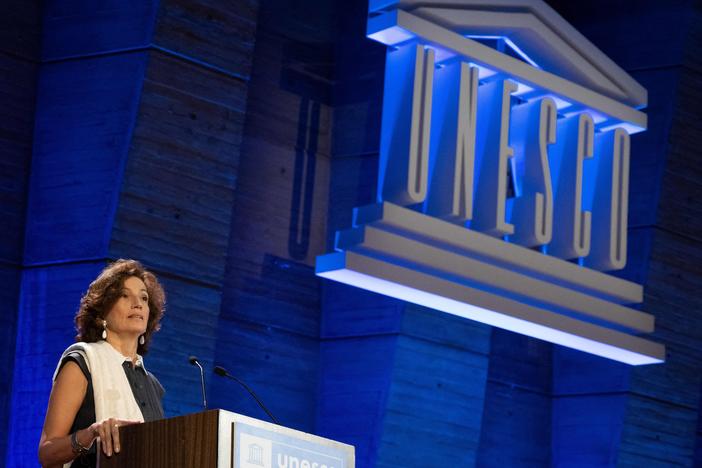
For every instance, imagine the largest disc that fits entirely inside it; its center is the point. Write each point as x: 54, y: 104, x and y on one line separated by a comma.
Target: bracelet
x: 78, y: 449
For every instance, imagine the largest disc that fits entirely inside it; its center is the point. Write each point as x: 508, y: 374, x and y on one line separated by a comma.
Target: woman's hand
x: 108, y: 432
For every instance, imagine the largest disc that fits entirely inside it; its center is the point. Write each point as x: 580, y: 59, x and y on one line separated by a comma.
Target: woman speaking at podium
x: 100, y: 382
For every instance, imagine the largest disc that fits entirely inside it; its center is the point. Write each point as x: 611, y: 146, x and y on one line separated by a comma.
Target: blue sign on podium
x: 257, y: 447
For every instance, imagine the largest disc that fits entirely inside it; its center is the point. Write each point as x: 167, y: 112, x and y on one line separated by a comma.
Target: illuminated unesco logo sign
x: 504, y: 176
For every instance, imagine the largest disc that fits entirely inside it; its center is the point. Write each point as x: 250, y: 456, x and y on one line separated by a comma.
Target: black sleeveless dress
x: 147, y: 391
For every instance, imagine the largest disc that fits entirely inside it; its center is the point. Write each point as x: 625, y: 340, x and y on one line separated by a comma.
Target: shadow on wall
x: 306, y: 73
x: 303, y: 183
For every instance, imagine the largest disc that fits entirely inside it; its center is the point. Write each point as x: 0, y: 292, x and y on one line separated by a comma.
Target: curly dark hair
x: 104, y: 292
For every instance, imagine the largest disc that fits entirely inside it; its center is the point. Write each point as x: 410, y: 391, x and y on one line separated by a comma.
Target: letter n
x: 452, y: 149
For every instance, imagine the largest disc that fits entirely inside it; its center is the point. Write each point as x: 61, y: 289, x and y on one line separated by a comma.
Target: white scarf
x: 111, y: 390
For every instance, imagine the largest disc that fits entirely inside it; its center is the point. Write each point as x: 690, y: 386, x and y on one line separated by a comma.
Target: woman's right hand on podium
x: 108, y: 432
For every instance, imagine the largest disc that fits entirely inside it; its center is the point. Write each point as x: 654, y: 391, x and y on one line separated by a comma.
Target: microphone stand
x: 193, y: 360
x: 221, y: 371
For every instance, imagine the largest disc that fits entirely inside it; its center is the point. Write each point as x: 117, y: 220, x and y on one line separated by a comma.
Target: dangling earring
x: 104, y: 329
x: 141, y: 340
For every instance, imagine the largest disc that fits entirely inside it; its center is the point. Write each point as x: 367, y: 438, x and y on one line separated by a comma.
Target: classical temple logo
x: 255, y: 455
x: 504, y: 176
x: 254, y: 451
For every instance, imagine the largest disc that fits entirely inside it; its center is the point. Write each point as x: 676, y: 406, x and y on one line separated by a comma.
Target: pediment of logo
x: 534, y: 31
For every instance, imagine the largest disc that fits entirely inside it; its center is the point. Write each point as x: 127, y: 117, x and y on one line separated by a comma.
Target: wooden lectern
x: 222, y: 439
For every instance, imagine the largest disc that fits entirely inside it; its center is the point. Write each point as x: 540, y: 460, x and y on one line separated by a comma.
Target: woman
x: 100, y: 382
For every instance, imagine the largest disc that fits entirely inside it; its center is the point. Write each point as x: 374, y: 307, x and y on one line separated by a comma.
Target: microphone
x: 221, y: 371
x: 193, y: 360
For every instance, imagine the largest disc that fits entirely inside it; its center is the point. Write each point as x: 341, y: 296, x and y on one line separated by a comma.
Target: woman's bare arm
x: 67, y: 395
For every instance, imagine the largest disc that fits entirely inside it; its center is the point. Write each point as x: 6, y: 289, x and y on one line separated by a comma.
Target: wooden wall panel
x: 680, y: 209
x: 181, y: 177
x: 175, y: 203
x: 576, y: 373
x: 586, y: 429
x: 359, y: 71
x: 360, y: 330
x: 520, y: 361
x: 20, y: 41
x: 17, y: 87
x: 269, y: 320
x: 624, y: 30
x: 590, y: 396
x: 517, y: 401
x: 50, y: 297
x: 435, y: 403
x: 83, y: 128
x: 281, y: 367
x: 10, y: 278
x: 190, y: 322
x: 285, y: 294
x: 84, y: 27
x: 215, y: 34
x: 448, y: 330
x: 355, y: 376
x: 350, y: 312
x: 657, y: 434
x: 520, y: 416
x: 21, y: 29
x: 264, y: 211
x: 648, y: 151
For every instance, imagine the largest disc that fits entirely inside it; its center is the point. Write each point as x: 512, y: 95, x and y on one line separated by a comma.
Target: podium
x: 222, y: 439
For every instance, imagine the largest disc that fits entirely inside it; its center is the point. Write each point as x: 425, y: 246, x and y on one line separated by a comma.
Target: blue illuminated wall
x: 223, y: 143
x: 19, y: 51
